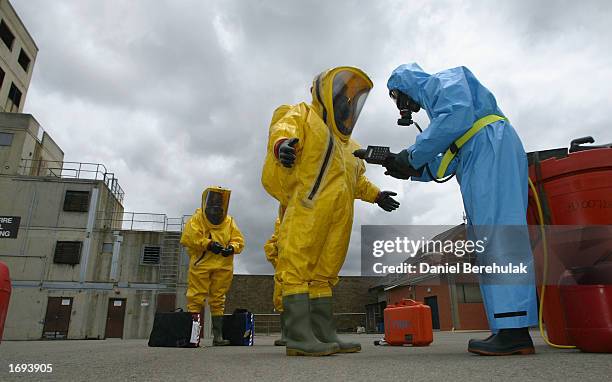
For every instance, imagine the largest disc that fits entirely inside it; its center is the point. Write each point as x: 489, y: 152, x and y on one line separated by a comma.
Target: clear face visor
x: 349, y: 93
x: 215, y: 207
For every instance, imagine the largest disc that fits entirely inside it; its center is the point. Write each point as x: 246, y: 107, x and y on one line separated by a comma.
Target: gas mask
x: 215, y: 202
x: 406, y: 106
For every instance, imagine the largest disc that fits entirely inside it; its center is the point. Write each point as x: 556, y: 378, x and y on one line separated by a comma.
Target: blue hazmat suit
x: 491, y: 169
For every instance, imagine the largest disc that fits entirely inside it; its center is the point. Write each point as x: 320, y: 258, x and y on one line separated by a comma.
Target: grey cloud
x: 177, y: 95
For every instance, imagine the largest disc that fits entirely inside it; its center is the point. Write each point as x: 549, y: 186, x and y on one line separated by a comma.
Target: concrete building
x: 25, y: 146
x: 77, y: 272
x: 80, y: 266
x: 17, y: 56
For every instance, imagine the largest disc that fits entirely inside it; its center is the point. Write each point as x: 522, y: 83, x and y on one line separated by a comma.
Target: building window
x: 150, y: 255
x: 6, y: 35
x: 76, y: 201
x: 14, y: 99
x: 6, y: 139
x: 67, y: 252
x: 107, y: 248
x: 24, y: 60
x: 1, y: 77
x: 469, y: 293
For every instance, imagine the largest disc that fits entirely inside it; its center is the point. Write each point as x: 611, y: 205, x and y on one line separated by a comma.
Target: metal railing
x: 175, y: 224
x: 267, y: 323
x: 73, y: 170
x: 170, y: 229
x: 142, y: 221
x: 134, y: 221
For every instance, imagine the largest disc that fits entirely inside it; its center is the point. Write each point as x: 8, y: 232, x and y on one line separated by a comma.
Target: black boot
x: 505, y: 342
x: 321, y: 314
x: 283, y: 340
x: 300, y: 338
x: 217, y: 329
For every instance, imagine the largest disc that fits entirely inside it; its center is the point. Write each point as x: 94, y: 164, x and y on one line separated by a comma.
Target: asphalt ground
x: 445, y: 359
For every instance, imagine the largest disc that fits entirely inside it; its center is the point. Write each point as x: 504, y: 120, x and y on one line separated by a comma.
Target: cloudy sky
x: 173, y: 96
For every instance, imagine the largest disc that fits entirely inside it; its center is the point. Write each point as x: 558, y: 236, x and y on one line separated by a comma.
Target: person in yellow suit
x: 271, y: 251
x: 311, y: 170
x: 212, y: 239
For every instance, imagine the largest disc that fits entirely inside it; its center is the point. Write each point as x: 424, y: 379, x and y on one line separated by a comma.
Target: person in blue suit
x: 469, y: 136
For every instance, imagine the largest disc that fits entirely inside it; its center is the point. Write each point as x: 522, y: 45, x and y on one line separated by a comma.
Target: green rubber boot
x: 283, y: 340
x: 322, y: 316
x: 217, y: 329
x: 300, y: 338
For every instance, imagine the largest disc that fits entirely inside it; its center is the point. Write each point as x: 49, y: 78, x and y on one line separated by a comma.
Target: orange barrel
x: 408, y: 322
x: 588, y: 316
x: 5, y: 295
x: 588, y: 306
x: 575, y: 189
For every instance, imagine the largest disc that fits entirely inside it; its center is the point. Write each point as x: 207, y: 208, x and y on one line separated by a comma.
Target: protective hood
x: 338, y: 95
x: 410, y: 79
x: 440, y: 92
x: 215, y: 203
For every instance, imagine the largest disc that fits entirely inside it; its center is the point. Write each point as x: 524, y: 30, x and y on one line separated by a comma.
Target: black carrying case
x: 176, y: 329
x: 239, y: 328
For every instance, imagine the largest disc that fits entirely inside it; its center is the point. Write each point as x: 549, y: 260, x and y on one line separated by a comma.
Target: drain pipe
x: 91, y: 221
x: 114, y: 276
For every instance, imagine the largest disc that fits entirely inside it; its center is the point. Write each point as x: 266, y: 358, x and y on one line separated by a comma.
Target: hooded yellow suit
x: 271, y: 251
x: 210, y: 274
x: 318, y: 192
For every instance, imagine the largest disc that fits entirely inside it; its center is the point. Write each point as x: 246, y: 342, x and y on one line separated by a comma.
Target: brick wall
x: 254, y: 293
x: 251, y: 292
x: 472, y: 316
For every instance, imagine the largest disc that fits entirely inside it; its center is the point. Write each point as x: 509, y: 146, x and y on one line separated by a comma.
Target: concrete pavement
x: 445, y: 359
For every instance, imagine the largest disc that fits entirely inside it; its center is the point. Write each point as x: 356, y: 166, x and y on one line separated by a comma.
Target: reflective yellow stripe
x: 476, y: 127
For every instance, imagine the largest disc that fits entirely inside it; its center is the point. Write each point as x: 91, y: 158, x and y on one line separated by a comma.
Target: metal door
x: 57, y: 318
x: 115, y: 317
x: 432, y: 301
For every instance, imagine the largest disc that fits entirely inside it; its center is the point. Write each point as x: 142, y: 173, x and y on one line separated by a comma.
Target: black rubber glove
x: 386, y: 202
x: 286, y: 152
x: 225, y: 252
x: 399, y: 166
x: 215, y: 247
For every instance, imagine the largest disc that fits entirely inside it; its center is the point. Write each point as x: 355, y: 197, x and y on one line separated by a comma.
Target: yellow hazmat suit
x: 319, y: 190
x: 271, y: 251
x: 210, y: 274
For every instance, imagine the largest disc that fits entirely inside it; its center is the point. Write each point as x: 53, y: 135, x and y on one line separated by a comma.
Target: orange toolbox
x: 408, y: 322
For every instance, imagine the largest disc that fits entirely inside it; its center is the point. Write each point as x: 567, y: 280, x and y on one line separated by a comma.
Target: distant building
x: 79, y: 269
x: 25, y: 148
x: 455, y: 299
x: 17, y: 56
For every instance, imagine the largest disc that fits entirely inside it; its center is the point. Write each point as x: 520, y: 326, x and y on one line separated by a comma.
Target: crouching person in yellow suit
x: 212, y: 239
x: 310, y: 169
x: 271, y: 251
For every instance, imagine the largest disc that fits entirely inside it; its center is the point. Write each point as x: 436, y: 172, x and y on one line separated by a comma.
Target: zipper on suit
x: 330, y: 144
x: 203, y: 253
x: 328, y: 152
